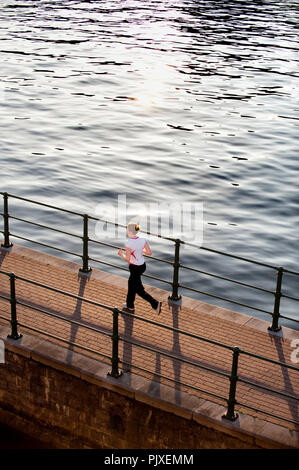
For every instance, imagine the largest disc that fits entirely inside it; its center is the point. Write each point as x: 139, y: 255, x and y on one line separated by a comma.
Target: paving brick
x: 199, y: 318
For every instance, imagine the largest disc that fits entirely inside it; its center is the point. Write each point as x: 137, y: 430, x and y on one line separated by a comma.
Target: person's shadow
x: 4, y: 280
x: 3, y: 253
x: 176, y: 350
x: 76, y: 316
x: 288, y: 387
x: 127, y: 347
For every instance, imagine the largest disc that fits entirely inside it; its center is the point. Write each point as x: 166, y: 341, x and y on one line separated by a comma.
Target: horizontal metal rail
x: 79, y: 214
x: 98, y: 304
x: 226, y: 279
x: 143, y: 319
x: 241, y: 258
x: 58, y: 338
x: 46, y: 226
x: 59, y: 317
x: 175, y: 358
x: 149, y: 276
x: 223, y: 298
x: 177, y: 382
x: 4, y: 318
x: 289, y: 318
x: 45, y: 245
x: 266, y: 413
x: 268, y: 389
x: 267, y: 359
x: 291, y: 272
x: 290, y: 297
x: 176, y: 265
x: 59, y: 291
x: 248, y: 382
x: 38, y: 203
x: 177, y: 330
x: 126, y: 269
x: 4, y: 297
x: 124, y: 339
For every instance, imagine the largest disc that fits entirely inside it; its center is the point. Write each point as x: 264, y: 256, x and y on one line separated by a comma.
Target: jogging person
x: 136, y: 247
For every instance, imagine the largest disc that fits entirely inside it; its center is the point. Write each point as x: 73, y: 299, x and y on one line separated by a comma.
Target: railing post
x: 115, y: 339
x: 275, y: 316
x: 85, y: 268
x: 231, y: 414
x: 13, y: 303
x: 6, y: 243
x: 176, y: 265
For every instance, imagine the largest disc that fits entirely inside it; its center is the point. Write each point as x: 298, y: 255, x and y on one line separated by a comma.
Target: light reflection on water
x: 196, y: 101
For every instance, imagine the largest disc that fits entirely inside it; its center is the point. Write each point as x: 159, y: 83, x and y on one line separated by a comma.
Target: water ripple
x: 192, y: 101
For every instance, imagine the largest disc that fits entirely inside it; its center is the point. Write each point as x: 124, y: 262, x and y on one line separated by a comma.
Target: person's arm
x: 146, y: 249
x: 126, y: 256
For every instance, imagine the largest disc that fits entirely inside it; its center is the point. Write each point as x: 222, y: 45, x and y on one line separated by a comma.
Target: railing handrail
x: 242, y: 258
x: 81, y: 237
x: 278, y: 294
x: 145, y: 320
x: 58, y: 291
x: 116, y: 337
x: 108, y: 307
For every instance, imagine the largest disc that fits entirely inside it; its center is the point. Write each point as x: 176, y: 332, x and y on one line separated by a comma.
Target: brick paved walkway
x: 192, y: 316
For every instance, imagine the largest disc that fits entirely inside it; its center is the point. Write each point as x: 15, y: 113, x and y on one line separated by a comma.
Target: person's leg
x: 139, y: 289
x: 133, y: 278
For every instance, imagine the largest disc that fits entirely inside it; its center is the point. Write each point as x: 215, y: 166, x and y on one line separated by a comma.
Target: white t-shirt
x: 136, y: 244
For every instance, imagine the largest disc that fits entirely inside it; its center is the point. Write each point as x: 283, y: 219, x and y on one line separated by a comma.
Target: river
x: 159, y: 102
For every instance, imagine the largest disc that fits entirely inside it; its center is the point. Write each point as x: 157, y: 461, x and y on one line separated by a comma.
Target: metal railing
x: 176, y: 264
x: 232, y: 376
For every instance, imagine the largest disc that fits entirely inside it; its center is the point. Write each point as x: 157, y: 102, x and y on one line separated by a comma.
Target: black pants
x: 135, y: 286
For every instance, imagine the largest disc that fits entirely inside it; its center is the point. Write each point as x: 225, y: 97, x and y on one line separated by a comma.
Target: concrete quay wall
x: 75, y: 404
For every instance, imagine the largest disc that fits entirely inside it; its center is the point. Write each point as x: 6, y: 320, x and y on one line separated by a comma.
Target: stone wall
x: 76, y: 405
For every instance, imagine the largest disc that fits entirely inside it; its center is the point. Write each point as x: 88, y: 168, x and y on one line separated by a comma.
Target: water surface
x: 194, y: 101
